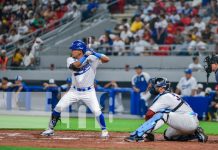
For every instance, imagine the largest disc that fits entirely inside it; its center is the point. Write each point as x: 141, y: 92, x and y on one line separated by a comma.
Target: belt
x: 83, y: 89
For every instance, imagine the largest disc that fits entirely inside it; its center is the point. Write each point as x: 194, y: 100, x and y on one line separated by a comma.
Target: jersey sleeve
x: 70, y: 60
x: 133, y: 80
x: 147, y: 76
x: 194, y: 84
x: 179, y: 85
x: 94, y: 61
x: 159, y: 105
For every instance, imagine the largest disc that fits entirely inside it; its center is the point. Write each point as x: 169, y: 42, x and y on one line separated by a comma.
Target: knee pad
x: 97, y: 113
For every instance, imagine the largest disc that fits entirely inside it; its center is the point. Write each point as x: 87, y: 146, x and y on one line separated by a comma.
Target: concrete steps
x: 129, y: 13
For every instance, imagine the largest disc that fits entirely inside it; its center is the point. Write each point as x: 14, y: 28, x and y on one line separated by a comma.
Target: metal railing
x: 28, y: 39
x: 60, y: 25
x: 129, y: 50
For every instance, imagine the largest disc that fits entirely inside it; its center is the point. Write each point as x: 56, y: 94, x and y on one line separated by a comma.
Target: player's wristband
x: 98, y: 55
x: 81, y: 60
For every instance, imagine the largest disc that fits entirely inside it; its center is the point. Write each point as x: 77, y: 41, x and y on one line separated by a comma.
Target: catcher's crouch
x: 168, y: 108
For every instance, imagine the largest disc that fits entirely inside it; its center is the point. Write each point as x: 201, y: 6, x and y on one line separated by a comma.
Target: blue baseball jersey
x: 141, y: 81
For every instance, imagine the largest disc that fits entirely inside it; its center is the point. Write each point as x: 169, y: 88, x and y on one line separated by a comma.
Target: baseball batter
x: 168, y: 108
x: 83, y: 65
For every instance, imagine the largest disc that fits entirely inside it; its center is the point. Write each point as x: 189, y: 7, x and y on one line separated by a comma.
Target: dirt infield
x: 84, y: 139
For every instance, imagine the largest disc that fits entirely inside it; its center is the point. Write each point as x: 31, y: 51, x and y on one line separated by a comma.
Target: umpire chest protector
x: 216, y: 75
x: 141, y: 83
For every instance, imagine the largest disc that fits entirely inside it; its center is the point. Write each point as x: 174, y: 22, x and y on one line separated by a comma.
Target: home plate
x: 65, y: 138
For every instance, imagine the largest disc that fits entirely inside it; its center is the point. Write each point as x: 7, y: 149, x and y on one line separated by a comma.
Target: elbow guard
x: 73, y: 67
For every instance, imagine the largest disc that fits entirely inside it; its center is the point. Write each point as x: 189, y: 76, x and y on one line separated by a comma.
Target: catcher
x: 168, y: 108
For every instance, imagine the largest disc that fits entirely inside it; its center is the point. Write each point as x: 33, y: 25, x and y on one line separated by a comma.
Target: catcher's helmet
x: 161, y: 82
x: 78, y: 45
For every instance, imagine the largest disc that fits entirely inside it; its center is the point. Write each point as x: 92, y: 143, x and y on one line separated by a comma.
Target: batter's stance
x: 168, y: 108
x: 83, y: 64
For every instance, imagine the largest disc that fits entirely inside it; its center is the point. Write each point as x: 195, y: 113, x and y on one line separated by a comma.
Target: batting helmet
x: 78, y: 45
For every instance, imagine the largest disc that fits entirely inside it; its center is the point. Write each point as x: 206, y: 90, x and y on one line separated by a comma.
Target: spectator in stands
x: 95, y: 43
x: 73, y: 13
x: 125, y: 34
x: 171, y: 9
x: 213, y: 20
x: 14, y: 36
x: 48, y: 13
x: 124, y: 22
x: 137, y: 24
x: 118, y: 97
x: 199, y: 23
x: 195, y: 33
x: 140, y: 46
x: 147, y: 34
x: 17, y: 58
x: 91, y: 9
x: 72, y: 4
x: 36, y: 47
x: 139, y: 85
x: 161, y: 30
x: 153, y: 46
x: 195, y: 65
x: 200, y: 90
x: 28, y: 59
x: 146, y: 8
x: 159, y: 7
x: 185, y: 20
x: 208, y: 35
x: 179, y: 38
x: 23, y: 28
x: 107, y: 41
x: 187, y: 10
x: 38, y: 21
x: 3, y: 60
x: 3, y: 39
x: 187, y: 85
x: 213, y: 107
x: 191, y: 44
x: 118, y: 46
x: 201, y: 46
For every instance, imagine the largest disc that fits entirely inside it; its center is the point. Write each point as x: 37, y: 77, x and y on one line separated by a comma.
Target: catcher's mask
x: 158, y: 82
x: 208, y: 61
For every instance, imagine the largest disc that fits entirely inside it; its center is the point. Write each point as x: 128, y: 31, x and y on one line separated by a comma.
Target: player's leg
x: 146, y: 129
x: 90, y: 99
x: 187, y: 129
x: 64, y: 102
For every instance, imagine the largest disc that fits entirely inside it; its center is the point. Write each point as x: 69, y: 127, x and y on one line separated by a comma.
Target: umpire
x: 140, y: 84
x: 211, y: 65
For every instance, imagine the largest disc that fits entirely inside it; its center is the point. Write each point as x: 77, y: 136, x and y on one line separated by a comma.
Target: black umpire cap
x: 138, y: 67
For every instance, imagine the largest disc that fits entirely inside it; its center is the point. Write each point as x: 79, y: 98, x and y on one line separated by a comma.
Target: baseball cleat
x: 48, y: 132
x: 104, y: 134
x: 150, y: 137
x: 134, y: 138
x: 201, y: 136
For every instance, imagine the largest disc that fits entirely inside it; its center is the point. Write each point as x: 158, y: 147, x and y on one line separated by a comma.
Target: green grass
x: 119, y: 125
